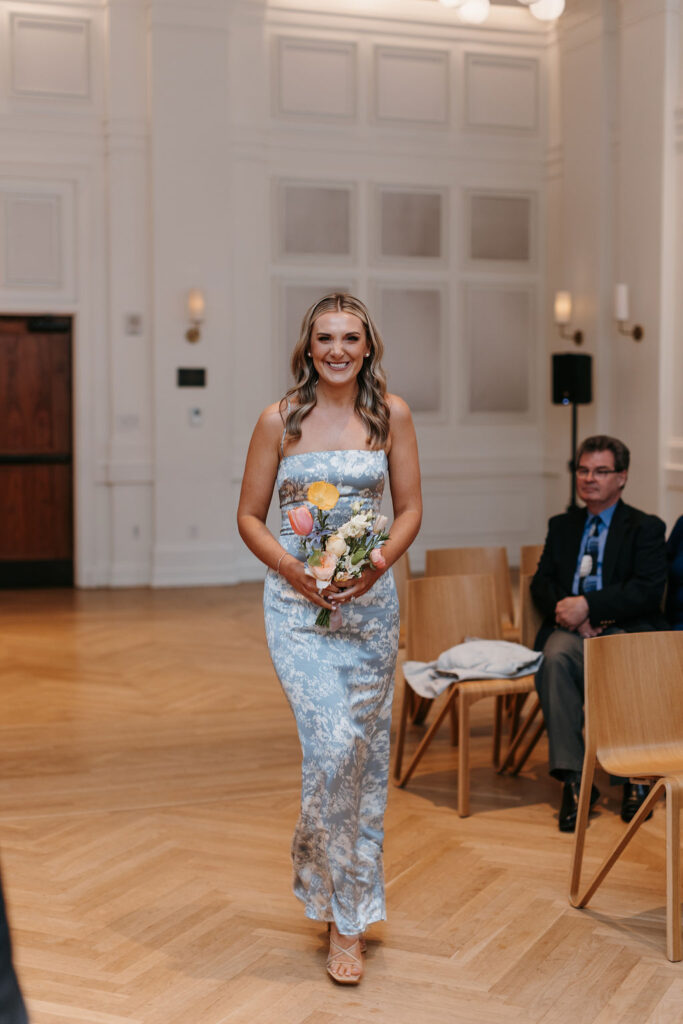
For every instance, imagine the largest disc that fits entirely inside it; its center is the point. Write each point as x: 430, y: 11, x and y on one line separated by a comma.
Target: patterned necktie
x: 588, y: 578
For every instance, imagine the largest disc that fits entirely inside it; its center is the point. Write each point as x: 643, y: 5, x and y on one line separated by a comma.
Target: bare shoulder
x: 399, y: 411
x: 270, y: 423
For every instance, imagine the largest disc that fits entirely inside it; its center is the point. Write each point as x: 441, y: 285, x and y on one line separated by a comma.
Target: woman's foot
x: 344, y: 961
x: 361, y: 939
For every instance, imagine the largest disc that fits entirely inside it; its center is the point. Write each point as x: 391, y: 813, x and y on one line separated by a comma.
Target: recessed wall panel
x: 411, y: 85
x: 33, y: 243
x: 500, y: 227
x: 410, y: 224
x: 499, y: 340
x: 315, y: 78
x: 410, y: 322
x: 50, y: 56
x: 501, y: 93
x: 314, y: 220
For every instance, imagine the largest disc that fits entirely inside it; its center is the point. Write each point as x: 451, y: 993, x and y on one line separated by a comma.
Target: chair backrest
x: 530, y: 618
x: 530, y: 556
x: 444, y: 610
x: 634, y: 700
x: 401, y: 571
x: 491, y: 561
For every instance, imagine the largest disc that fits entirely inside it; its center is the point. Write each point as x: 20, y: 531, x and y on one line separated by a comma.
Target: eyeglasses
x: 600, y: 473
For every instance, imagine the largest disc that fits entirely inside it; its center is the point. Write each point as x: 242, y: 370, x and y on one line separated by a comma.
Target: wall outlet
x: 196, y: 417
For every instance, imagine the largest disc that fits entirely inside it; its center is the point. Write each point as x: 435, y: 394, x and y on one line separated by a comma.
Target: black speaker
x: 572, y: 378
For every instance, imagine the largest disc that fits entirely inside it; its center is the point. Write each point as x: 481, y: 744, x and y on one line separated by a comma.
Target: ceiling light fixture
x: 475, y: 12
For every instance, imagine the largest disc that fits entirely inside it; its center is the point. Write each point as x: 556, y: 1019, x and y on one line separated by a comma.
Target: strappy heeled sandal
x: 344, y: 955
x: 361, y: 940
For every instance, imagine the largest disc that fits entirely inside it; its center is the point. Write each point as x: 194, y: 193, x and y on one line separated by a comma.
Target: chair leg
x: 581, y: 822
x: 618, y: 848
x: 517, y: 739
x: 428, y: 737
x: 497, y: 729
x: 515, y: 714
x: 419, y: 709
x: 463, y: 754
x: 408, y: 696
x: 517, y: 767
x: 454, y: 724
x: 673, y: 856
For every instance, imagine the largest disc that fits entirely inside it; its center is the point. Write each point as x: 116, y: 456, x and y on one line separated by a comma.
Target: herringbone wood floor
x: 148, y: 790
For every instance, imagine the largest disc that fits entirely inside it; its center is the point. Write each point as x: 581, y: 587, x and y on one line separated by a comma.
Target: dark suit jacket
x: 634, y: 571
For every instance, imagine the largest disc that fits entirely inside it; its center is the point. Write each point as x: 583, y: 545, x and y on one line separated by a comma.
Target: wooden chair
x: 530, y: 556
x: 442, y: 611
x: 401, y: 571
x: 634, y: 727
x: 530, y: 620
x: 492, y: 561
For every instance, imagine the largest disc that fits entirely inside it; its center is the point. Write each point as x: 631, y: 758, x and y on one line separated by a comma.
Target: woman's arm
x: 260, y: 472
x: 406, y: 495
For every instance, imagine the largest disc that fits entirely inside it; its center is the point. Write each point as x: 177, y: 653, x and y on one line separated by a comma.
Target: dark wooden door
x: 36, y: 503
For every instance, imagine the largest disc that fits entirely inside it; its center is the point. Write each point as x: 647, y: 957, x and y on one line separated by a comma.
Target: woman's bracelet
x: 277, y: 570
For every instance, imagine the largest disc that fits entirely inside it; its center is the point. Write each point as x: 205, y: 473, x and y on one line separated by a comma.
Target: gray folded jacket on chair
x: 474, y: 659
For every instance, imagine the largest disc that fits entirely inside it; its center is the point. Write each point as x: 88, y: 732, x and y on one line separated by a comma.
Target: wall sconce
x: 195, y: 309
x: 621, y: 314
x: 563, y: 314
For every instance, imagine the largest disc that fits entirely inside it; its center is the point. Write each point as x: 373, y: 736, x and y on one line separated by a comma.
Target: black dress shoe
x: 570, y: 805
x: 634, y: 795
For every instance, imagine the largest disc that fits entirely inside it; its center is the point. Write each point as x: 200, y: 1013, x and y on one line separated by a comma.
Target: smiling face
x: 597, y: 483
x: 338, y: 346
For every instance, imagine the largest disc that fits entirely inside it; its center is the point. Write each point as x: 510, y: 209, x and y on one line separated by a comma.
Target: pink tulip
x: 301, y: 520
x: 378, y: 559
x: 324, y: 570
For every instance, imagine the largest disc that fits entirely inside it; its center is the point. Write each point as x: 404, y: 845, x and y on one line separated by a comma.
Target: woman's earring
x: 367, y: 354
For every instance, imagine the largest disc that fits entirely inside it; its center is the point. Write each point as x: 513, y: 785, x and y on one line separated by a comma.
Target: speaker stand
x: 572, y: 463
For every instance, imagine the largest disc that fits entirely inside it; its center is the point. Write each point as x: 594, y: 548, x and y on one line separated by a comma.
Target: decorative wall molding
x: 314, y: 78
x: 411, y: 85
x: 50, y: 57
x: 37, y: 222
x: 186, y: 565
x: 501, y: 93
x: 515, y: 240
x: 499, y: 330
x: 32, y: 255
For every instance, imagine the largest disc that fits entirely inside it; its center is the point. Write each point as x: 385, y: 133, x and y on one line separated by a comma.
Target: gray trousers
x: 559, y: 683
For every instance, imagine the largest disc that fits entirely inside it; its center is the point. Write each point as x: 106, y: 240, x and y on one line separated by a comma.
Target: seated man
x: 603, y: 570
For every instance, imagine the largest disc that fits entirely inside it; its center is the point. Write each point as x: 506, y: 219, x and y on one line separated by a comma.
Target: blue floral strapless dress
x: 339, y: 685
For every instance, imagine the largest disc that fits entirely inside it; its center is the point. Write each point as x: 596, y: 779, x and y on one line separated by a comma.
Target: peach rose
x: 324, y: 570
x: 378, y: 559
x: 301, y: 520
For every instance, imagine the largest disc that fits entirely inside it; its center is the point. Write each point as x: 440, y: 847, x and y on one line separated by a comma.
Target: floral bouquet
x: 341, y: 554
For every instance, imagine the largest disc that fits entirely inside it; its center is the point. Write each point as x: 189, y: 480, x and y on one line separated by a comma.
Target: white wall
x: 161, y: 139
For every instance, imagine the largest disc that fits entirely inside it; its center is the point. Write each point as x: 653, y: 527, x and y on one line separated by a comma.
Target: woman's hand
x: 295, y: 573
x: 359, y: 585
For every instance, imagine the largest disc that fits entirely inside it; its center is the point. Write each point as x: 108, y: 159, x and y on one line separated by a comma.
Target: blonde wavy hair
x: 371, y: 403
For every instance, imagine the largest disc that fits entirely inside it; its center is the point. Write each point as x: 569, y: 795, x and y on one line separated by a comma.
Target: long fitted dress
x: 339, y: 685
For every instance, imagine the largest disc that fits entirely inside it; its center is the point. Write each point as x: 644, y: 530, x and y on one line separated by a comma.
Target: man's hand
x: 586, y: 631
x: 570, y: 612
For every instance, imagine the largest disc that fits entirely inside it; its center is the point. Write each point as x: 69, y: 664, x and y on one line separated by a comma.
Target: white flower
x: 336, y: 545
x: 356, y: 506
x: 355, y: 527
x: 379, y: 524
